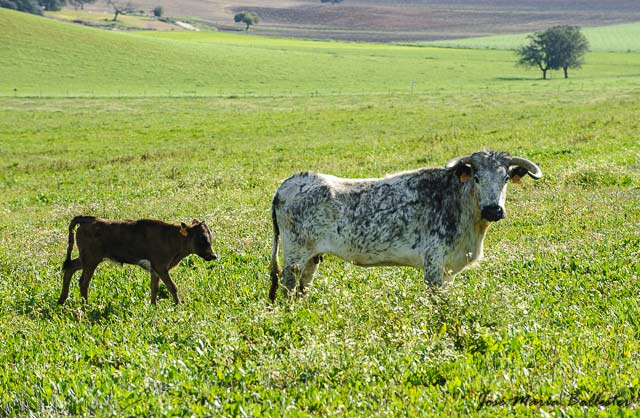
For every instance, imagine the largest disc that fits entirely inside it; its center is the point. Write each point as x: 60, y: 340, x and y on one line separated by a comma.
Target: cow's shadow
x: 46, y: 308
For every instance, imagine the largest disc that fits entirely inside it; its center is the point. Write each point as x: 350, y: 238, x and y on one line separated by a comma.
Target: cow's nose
x: 214, y: 256
x: 492, y: 213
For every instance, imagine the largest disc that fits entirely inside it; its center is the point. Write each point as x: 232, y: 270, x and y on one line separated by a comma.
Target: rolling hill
x: 43, y: 57
x: 383, y: 21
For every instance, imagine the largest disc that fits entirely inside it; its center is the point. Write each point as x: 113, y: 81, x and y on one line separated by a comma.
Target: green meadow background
x: 205, y: 125
x: 619, y: 38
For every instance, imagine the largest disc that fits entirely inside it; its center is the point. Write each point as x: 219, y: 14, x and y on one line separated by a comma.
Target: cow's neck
x: 181, y: 250
x: 473, y: 227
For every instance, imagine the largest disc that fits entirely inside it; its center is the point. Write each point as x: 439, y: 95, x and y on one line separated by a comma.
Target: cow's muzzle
x: 492, y: 213
x: 210, y: 257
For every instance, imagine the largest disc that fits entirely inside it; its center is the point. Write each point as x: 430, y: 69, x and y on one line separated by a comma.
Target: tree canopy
x: 32, y: 6
x: 248, y: 18
x: 557, y: 47
x: 121, y: 8
x: 79, y: 4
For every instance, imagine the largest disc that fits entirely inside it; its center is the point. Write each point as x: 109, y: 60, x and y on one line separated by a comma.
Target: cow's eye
x: 476, y: 179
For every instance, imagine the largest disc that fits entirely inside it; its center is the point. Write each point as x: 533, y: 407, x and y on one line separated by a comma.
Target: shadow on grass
x: 99, y: 312
x: 516, y: 79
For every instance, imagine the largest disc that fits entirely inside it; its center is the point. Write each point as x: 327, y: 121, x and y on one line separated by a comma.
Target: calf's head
x: 491, y: 171
x: 199, y: 238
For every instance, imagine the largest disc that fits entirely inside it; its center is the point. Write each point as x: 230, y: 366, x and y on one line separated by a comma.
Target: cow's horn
x: 457, y: 161
x: 532, y: 169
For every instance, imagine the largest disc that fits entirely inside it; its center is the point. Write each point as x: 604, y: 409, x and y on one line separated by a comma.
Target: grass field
x: 215, y: 64
x: 616, y: 38
x: 104, y: 20
x: 547, y: 324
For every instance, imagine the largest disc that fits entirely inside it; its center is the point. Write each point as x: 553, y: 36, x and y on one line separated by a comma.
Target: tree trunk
x: 566, y: 73
x: 247, y: 28
x: 544, y: 74
x: 115, y: 18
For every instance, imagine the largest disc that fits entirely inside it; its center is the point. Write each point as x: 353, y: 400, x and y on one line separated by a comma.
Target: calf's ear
x: 183, y: 229
x: 194, y: 221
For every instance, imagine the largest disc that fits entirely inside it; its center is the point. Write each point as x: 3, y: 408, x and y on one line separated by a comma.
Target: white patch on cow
x: 145, y: 264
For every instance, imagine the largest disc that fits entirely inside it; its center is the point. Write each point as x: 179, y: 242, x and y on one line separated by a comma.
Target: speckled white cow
x: 434, y: 219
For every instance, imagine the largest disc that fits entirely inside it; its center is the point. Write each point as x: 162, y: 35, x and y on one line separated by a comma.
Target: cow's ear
x: 464, y: 172
x: 183, y: 229
x: 194, y: 221
x: 516, y: 173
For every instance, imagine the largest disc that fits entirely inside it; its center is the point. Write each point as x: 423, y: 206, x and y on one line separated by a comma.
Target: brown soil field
x: 398, y: 20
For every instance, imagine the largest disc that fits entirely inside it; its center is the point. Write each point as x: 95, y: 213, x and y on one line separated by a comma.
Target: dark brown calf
x: 153, y: 245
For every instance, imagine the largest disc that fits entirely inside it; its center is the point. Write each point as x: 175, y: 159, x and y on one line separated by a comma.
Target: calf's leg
x: 155, y: 282
x: 85, y: 279
x: 166, y: 279
x: 68, y: 269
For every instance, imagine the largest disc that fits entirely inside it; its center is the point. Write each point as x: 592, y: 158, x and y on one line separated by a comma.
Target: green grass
x: 100, y: 63
x: 104, y: 20
x: 547, y: 324
x: 613, y: 38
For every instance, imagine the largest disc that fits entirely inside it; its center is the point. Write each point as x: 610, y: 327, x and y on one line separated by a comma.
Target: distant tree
x: 79, y: 4
x: 120, y: 8
x: 331, y: 1
x: 28, y: 6
x: 572, y: 45
x: 32, y: 6
x: 248, y: 18
x: 158, y: 11
x: 52, y: 5
x: 536, y: 53
x: 557, y: 47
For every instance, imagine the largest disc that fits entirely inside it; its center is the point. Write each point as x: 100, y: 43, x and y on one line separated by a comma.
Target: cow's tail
x: 75, y: 221
x: 275, y: 269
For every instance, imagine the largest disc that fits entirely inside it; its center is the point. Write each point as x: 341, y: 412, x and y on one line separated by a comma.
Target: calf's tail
x: 275, y: 265
x: 75, y: 221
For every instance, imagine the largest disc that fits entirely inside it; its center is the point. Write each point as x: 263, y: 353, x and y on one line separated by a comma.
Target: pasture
x: 618, y: 38
x: 548, y: 323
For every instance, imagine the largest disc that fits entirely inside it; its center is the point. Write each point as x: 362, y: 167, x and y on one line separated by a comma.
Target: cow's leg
x: 306, y: 278
x: 433, y: 275
x: 433, y: 271
x: 155, y: 283
x: 85, y: 279
x: 166, y: 279
x: 69, y: 270
x: 291, y: 273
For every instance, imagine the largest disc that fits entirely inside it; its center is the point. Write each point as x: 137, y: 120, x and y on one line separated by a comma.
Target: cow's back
x: 124, y: 241
x: 367, y: 221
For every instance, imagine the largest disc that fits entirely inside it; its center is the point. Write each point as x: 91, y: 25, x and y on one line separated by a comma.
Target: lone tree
x: 572, y: 47
x: 120, y: 8
x: 248, y: 18
x: 158, y: 11
x: 557, y: 47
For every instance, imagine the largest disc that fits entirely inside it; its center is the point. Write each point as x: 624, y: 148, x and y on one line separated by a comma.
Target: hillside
x: 42, y: 57
x: 377, y: 20
x: 622, y: 38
